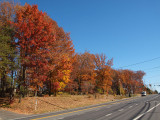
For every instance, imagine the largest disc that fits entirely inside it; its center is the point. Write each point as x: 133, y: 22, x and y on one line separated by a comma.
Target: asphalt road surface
x: 140, y: 108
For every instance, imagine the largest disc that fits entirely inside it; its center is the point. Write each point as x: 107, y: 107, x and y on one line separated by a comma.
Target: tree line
x: 37, y: 55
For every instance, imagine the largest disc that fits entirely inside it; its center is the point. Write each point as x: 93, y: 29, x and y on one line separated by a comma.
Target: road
x: 141, y: 108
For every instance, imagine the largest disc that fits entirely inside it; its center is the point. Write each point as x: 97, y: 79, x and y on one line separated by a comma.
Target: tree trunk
x: 55, y: 93
x: 79, y: 87
x: 11, y: 99
x: 20, y: 97
x: 50, y: 87
x: 3, y: 85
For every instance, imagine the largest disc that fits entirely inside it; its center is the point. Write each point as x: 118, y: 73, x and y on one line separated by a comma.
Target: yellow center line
x: 78, y: 110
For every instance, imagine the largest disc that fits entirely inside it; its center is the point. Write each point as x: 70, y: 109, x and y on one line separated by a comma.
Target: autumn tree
x: 84, y: 72
x: 103, y: 73
x: 34, y: 40
x: 138, y: 84
x: 59, y: 77
x: 117, y: 82
x: 60, y: 59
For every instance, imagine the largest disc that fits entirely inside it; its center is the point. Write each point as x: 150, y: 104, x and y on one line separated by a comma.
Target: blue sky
x: 126, y: 30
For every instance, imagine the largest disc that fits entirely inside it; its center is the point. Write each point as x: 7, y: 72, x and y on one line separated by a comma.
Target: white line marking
x: 130, y: 106
x: 60, y: 118
x: 145, y: 112
x: 136, y: 104
x: 108, y: 114
x: 120, y: 110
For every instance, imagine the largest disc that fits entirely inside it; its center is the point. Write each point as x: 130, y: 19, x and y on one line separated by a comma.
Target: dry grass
x: 50, y: 104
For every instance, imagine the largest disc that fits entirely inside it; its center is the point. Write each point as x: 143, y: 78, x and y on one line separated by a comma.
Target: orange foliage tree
x: 84, y: 72
x: 59, y: 77
x: 34, y: 40
x: 118, y: 81
x: 60, y: 60
x: 128, y: 80
x: 138, y: 84
x: 103, y: 73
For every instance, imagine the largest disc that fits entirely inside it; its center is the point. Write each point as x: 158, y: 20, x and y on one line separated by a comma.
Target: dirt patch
x: 50, y: 104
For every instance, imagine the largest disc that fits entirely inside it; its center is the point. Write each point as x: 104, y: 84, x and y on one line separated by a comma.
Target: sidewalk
x: 7, y: 115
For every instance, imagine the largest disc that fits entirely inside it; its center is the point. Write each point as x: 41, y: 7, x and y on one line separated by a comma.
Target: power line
x: 152, y: 68
x: 140, y: 62
x: 155, y: 76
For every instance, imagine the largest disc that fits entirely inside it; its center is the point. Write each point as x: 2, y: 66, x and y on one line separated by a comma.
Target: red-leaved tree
x: 35, y: 36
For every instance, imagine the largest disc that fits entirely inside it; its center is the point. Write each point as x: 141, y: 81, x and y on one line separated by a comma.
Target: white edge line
x: 145, y: 112
x: 60, y: 118
x: 108, y: 114
x: 121, y: 110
